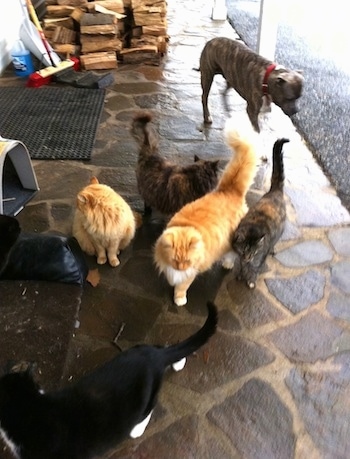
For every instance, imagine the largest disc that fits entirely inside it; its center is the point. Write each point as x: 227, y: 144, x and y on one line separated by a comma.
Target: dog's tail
x: 143, y: 132
x: 239, y: 173
x: 277, y: 178
x: 177, y: 352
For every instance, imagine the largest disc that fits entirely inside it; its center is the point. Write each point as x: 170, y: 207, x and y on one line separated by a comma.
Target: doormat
x: 53, y: 123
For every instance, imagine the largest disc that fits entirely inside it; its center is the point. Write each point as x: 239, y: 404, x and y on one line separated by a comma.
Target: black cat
x: 263, y: 225
x: 98, y: 411
x: 163, y: 185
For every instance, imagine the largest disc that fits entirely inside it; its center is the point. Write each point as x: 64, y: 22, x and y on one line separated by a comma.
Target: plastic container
x: 21, y: 60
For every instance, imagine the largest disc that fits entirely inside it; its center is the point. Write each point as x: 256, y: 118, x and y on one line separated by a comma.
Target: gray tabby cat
x: 263, y: 225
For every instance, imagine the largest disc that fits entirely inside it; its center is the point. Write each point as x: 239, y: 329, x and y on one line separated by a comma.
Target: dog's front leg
x: 253, y: 110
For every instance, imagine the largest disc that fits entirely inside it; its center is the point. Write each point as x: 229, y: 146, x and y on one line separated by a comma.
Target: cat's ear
x: 194, y: 242
x: 81, y: 198
x: 87, y: 198
x: 94, y: 180
x: 196, y: 158
x: 167, y: 240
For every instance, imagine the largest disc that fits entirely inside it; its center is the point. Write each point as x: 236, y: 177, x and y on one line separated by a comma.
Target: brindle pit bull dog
x: 251, y: 75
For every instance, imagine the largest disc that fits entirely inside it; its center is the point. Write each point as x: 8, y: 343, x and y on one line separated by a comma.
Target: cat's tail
x: 143, y: 132
x: 179, y: 351
x: 277, y: 178
x: 239, y: 173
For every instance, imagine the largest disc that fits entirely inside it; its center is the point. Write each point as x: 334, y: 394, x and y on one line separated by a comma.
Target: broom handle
x: 39, y: 28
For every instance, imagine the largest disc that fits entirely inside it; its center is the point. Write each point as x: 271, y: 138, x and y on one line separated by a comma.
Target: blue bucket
x: 22, y: 60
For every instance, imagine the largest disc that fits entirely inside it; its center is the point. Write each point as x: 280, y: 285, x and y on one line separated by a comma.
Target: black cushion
x: 46, y: 257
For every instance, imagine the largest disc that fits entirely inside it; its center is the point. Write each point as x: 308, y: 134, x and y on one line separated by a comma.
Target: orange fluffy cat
x: 200, y: 233
x: 103, y: 222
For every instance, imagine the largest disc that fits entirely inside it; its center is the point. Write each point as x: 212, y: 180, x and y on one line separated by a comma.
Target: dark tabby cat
x: 163, y: 185
x: 9, y: 233
x: 97, y: 412
x: 263, y: 225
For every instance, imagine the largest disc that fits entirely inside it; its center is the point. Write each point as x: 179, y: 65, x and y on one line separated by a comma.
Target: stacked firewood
x: 103, y: 32
x: 149, y: 31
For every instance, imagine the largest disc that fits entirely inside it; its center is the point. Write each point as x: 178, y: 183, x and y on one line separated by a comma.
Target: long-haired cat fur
x: 163, y: 185
x: 200, y: 233
x: 263, y: 225
x: 103, y: 222
x: 97, y: 412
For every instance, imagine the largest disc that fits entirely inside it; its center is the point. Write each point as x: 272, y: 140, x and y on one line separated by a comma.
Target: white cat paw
x: 227, y: 264
x: 178, y: 366
x: 101, y: 260
x: 114, y: 262
x: 180, y: 301
x: 139, y: 429
x: 228, y: 260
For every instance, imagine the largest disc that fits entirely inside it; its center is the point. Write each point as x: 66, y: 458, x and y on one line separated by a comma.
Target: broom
x: 63, y: 71
x: 43, y: 76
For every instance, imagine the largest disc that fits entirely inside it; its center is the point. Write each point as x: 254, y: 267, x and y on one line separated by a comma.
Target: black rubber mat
x: 52, y: 122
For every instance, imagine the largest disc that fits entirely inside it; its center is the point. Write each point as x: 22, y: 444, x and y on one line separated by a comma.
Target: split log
x: 90, y: 19
x: 149, y: 19
x: 66, y: 49
x: 160, y: 8
x: 64, y: 35
x: 136, y: 4
x: 50, y: 23
x: 99, y: 61
x: 71, y: 2
x: 145, y: 40
x: 144, y: 55
x: 95, y: 43
x: 77, y: 14
x: 58, y: 11
x: 117, y: 6
x: 107, y: 29
x: 156, y: 30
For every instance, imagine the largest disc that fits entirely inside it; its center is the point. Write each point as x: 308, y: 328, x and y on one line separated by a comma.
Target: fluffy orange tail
x: 239, y: 173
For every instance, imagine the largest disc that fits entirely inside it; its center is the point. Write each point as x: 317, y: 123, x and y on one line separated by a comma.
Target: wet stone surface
x: 322, y: 397
x: 340, y: 275
x: 338, y: 305
x: 340, y: 238
x: 299, y: 292
x: 249, y: 415
x: 308, y: 340
x: 305, y: 254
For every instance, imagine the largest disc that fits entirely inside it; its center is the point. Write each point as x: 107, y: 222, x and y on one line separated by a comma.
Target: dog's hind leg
x: 206, y: 82
x: 224, y: 98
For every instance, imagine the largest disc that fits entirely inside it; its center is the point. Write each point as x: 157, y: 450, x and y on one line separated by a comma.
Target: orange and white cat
x: 103, y: 222
x: 200, y: 233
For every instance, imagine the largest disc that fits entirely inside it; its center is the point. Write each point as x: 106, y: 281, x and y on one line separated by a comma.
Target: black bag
x: 46, y: 257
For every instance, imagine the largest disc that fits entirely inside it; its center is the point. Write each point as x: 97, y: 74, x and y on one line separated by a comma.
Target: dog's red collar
x: 265, y: 87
